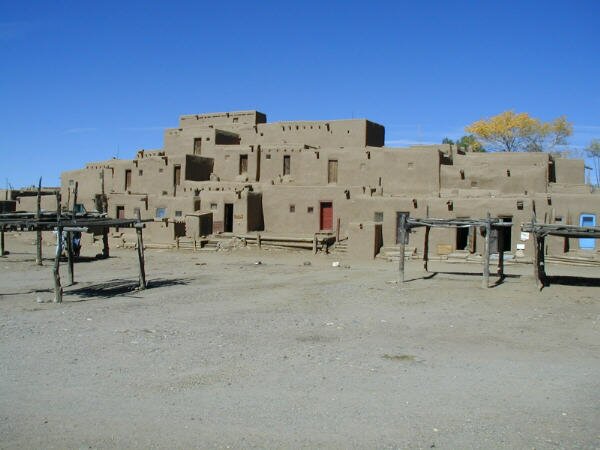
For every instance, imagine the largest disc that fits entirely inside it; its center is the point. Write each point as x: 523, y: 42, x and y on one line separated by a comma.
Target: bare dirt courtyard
x: 221, y: 352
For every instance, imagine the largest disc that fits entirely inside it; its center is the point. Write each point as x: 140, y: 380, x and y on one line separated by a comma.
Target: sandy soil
x: 221, y: 352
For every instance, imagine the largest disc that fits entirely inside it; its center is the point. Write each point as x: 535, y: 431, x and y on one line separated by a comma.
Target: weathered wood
x: 140, y: 250
x: 426, y: 250
x: 541, y: 243
x: 1, y: 241
x: 58, y: 291
x: 500, y: 254
x: 337, y: 231
x: 70, y: 257
x: 315, y: 244
x: 258, y: 241
x: 402, y: 238
x: 38, y: 232
x: 105, y: 249
x: 486, y: 255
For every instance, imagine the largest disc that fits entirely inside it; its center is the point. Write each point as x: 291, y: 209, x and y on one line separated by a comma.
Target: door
x: 176, y: 178
x: 127, y: 179
x: 332, y: 171
x: 399, y: 214
x: 120, y: 212
x: 326, y: 216
x: 197, y: 146
x: 228, y: 218
x: 587, y: 220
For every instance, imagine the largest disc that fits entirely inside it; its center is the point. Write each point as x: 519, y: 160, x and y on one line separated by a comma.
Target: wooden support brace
x: 501, y: 254
x: 426, y: 250
x: 2, y: 241
x: 402, y: 246
x: 38, y: 231
x: 258, y: 241
x: 140, y: 249
x: 486, y: 255
x: 58, y: 290
x: 315, y: 244
x: 70, y: 257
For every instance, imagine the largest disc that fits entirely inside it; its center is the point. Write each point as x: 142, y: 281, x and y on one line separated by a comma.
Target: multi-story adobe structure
x: 304, y: 177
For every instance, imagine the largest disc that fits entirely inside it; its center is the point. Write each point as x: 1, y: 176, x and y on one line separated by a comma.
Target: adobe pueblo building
x: 234, y: 174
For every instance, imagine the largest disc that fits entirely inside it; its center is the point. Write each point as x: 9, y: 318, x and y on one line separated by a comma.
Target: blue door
x: 587, y: 220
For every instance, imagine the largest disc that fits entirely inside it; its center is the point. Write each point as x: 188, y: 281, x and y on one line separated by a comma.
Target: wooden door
x: 177, y: 175
x: 326, y: 216
x: 332, y: 171
x: 120, y: 212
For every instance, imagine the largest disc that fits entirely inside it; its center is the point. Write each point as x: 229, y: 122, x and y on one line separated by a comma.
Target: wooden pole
x: 2, y: 241
x: 426, y: 250
x: 402, y: 246
x: 58, y: 291
x: 71, y: 262
x: 258, y: 241
x: 315, y: 243
x: 486, y: 254
x: 140, y: 249
x: 38, y: 231
x: 501, y: 253
x: 539, y: 269
x: 104, y: 201
x: 337, y: 231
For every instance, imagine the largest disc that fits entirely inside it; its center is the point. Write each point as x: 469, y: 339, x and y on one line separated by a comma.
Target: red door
x: 326, y: 216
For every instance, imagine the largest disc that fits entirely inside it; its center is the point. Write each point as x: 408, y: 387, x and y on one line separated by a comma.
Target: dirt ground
x: 221, y: 352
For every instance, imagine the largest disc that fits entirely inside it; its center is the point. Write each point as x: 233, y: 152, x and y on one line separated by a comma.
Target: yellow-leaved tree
x: 513, y: 132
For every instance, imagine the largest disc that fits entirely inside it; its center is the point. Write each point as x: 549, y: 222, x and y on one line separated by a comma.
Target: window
x: 332, y: 171
x: 286, y: 164
x: 140, y: 172
x: 136, y: 212
x: 235, y: 119
x: 520, y: 204
x: 79, y: 208
x: 292, y: 208
x: 411, y: 165
x: 120, y: 212
x: 178, y: 214
x: 268, y: 156
x: 71, y: 182
x: 197, y: 146
x: 160, y: 213
x: 160, y: 170
x: 213, y: 206
x: 243, y: 164
x: 378, y: 216
x: 310, y: 209
x: 196, y: 205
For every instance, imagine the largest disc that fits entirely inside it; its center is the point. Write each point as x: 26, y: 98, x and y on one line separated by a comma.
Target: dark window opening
x: 228, y: 218
x: 462, y: 238
x: 378, y: 216
x: 286, y: 164
x: 127, y: 179
x: 332, y: 171
x: 292, y: 208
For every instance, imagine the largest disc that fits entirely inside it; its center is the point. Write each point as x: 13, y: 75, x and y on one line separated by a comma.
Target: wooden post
x: 70, y: 257
x: 58, y: 291
x: 426, y: 249
x: 258, y: 241
x: 2, y: 240
x: 337, y: 231
x: 315, y: 243
x: 501, y: 253
x: 402, y: 246
x: 140, y: 249
x: 104, y: 201
x: 539, y: 269
x: 38, y: 231
x: 486, y: 254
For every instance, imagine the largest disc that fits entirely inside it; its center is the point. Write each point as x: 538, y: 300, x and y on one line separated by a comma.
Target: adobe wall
x: 569, y: 171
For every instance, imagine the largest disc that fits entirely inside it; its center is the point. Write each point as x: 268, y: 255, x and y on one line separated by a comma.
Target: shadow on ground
x: 120, y: 287
x: 566, y: 280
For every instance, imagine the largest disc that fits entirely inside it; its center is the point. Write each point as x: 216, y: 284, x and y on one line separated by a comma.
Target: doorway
x: 228, y: 218
x: 326, y: 222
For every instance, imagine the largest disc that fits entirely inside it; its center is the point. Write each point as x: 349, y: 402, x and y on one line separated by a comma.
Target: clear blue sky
x: 83, y: 81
